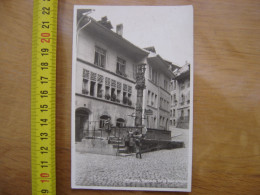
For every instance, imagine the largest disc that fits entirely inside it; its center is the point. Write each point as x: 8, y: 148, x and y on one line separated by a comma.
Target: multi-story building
x: 157, y: 93
x: 105, y: 76
x: 106, y: 68
x: 180, y: 97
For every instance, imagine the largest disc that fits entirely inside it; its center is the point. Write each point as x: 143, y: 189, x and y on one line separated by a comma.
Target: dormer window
x: 120, y: 66
x: 100, y: 57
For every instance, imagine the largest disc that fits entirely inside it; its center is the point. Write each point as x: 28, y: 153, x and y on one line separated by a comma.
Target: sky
x: 168, y: 28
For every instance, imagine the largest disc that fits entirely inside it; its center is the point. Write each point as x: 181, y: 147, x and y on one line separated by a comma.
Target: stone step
x: 122, y: 150
x: 118, y: 146
x: 124, y: 154
x: 115, y: 142
x: 115, y: 139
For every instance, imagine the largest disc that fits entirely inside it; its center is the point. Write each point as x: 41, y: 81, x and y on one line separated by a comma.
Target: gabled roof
x: 114, y: 39
x: 157, y: 62
x: 182, y: 72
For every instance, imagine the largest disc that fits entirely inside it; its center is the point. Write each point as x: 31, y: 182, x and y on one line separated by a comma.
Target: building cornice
x: 105, y: 70
x: 103, y: 100
x: 149, y: 106
x: 183, y: 107
x: 165, y: 91
x: 164, y: 110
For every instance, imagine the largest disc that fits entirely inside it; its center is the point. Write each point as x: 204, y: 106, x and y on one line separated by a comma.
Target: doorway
x: 82, y: 118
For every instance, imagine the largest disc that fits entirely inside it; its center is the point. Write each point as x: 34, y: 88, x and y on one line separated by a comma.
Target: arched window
x: 102, y: 120
x: 120, y: 122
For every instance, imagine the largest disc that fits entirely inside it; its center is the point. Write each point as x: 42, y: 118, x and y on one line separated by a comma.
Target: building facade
x: 105, y: 77
x: 180, y: 97
x: 157, y: 93
x: 106, y: 68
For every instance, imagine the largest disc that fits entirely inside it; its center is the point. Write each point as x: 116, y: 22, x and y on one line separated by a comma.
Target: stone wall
x: 156, y: 134
x: 95, y: 146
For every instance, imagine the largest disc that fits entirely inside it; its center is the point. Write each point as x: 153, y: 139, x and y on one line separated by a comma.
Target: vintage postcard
x: 132, y: 98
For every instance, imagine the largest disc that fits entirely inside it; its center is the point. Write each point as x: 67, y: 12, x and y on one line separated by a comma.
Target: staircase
x: 118, y: 143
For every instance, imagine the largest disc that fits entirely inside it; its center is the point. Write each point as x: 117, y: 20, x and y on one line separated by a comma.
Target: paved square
x: 159, y: 169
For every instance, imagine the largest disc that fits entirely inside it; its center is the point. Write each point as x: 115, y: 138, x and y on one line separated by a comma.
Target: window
x: 134, y: 71
x: 188, y: 97
x: 165, y: 85
x: 107, y: 95
x: 120, y: 66
x: 124, y: 98
x: 174, y: 85
x: 102, y: 120
x: 100, y: 57
x: 113, y: 95
x: 85, y: 86
x: 100, y: 91
x: 182, y: 99
x: 129, y: 102
x: 154, y: 77
x: 118, y: 96
x: 152, y: 99
x: 173, y: 112
x: 182, y: 113
x: 148, y: 98
x: 155, y: 100
x: 92, y: 88
x: 150, y: 72
x: 120, y: 122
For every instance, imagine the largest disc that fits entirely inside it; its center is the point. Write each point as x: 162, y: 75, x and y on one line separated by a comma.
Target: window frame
x: 120, y: 62
x: 100, y: 52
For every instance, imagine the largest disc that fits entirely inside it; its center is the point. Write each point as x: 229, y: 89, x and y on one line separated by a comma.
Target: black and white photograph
x: 132, y: 98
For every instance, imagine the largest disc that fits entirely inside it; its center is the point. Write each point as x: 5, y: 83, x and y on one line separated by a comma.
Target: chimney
x: 119, y: 29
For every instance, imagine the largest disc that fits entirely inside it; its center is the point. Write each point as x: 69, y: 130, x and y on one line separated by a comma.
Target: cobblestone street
x: 159, y: 169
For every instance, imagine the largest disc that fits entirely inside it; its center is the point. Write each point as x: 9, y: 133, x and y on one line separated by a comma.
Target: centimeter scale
x: 43, y: 96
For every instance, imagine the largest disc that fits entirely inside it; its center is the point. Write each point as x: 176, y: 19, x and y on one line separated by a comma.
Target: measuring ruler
x: 43, y: 96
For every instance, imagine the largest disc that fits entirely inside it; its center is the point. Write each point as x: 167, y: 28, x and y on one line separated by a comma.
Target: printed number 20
x: 45, y: 35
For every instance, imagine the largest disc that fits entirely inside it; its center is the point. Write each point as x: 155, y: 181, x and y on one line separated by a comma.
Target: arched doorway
x: 82, y: 125
x: 120, y: 122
